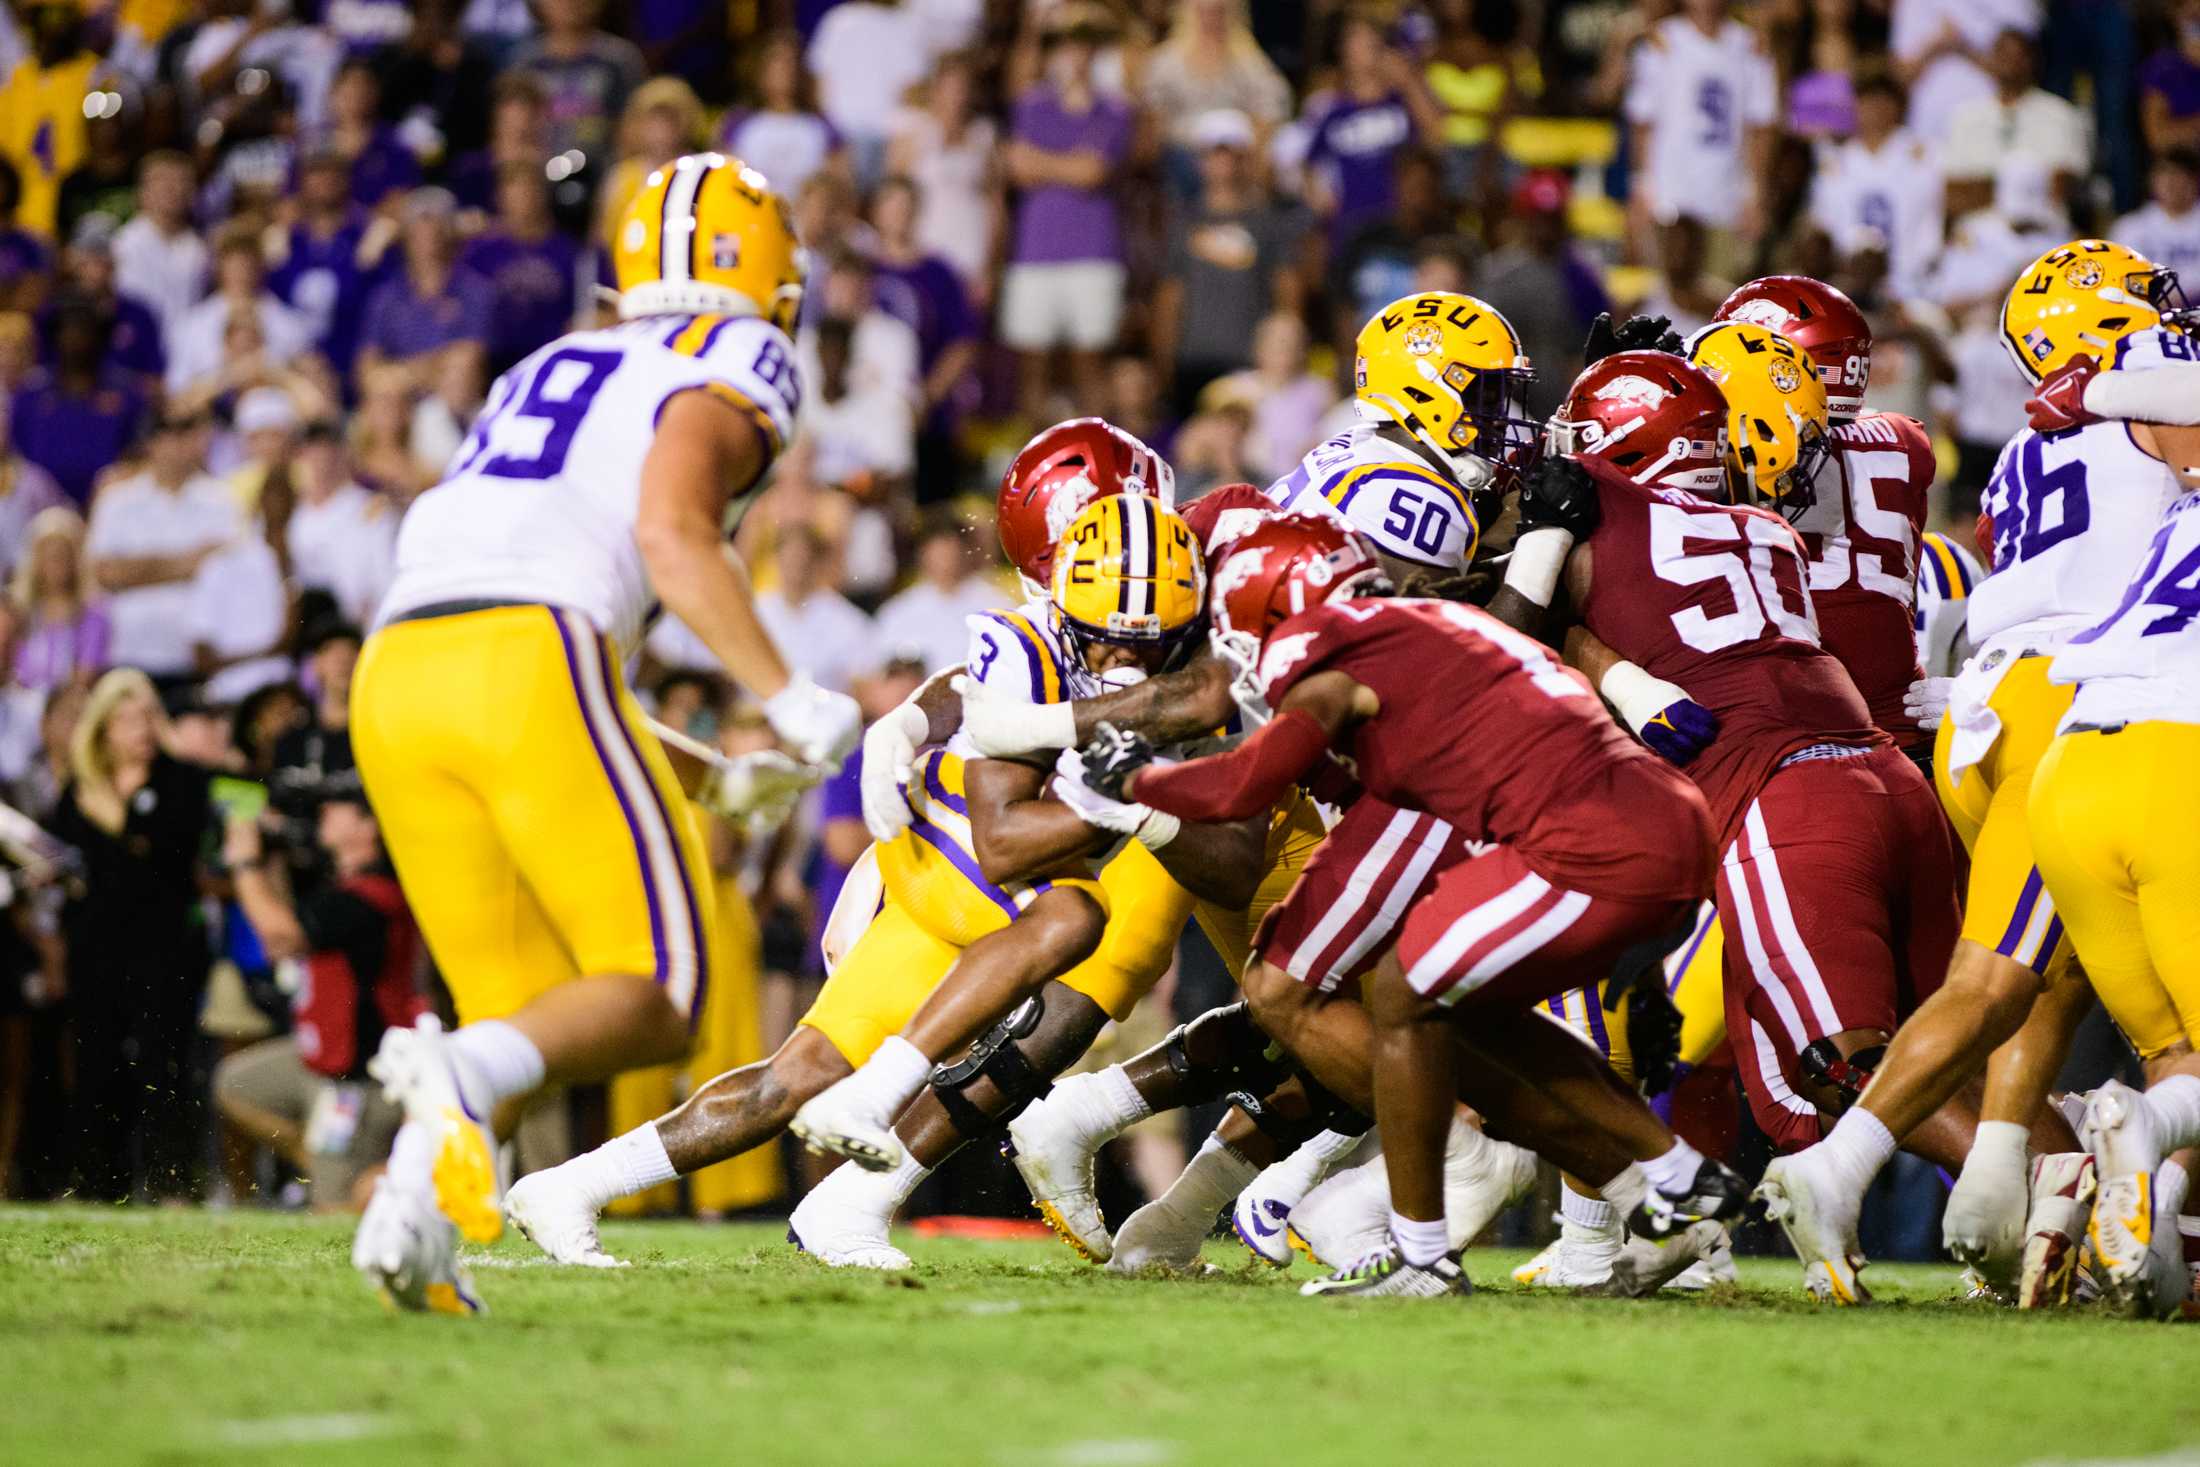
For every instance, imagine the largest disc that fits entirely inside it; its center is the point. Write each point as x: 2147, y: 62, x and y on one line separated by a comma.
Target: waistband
x: 2099, y: 728
x: 435, y: 609
x: 1811, y: 752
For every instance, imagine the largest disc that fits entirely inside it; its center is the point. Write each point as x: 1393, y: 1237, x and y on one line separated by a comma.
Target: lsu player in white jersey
x: 986, y: 893
x: 2071, y: 516
x: 537, y: 823
x: 2114, y: 806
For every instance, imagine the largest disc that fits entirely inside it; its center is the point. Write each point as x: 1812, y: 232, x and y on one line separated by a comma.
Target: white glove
x: 821, y: 727
x: 753, y: 784
x: 1926, y: 700
x: 889, y: 757
x: 1002, y: 727
x: 1152, y: 828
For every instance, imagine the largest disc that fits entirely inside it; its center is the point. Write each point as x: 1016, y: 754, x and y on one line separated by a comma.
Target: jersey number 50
x: 1761, y: 575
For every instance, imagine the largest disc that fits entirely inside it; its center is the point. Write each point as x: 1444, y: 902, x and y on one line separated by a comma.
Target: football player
x: 1550, y: 889
x: 991, y: 879
x: 2071, y: 515
x: 2111, y: 816
x: 537, y: 823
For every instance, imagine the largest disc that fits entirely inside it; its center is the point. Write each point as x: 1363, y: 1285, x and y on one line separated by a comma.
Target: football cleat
x: 551, y: 1213
x: 421, y: 1074
x: 835, y: 1225
x: 1640, y: 1267
x: 408, y: 1253
x: 1714, y: 1194
x: 2062, y: 1186
x: 1160, y: 1236
x: 2120, y: 1134
x: 1482, y: 1177
x: 1347, y: 1217
x: 1262, y: 1216
x: 1385, y: 1274
x: 1057, y: 1168
x: 843, y: 1121
x: 1263, y: 1225
x: 1984, y: 1225
x: 1819, y: 1217
x: 1710, y: 1271
x: 1580, y: 1257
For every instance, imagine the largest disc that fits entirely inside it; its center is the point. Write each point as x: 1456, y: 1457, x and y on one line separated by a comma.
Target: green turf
x: 179, y: 1337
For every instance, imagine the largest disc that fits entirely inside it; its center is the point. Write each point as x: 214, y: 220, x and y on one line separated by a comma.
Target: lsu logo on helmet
x: 1129, y: 571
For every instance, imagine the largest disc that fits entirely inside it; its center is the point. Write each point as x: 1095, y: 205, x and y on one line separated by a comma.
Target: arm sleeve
x: 1246, y: 781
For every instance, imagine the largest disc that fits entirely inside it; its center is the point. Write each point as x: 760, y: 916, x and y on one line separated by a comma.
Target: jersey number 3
x: 1762, y: 573
x: 557, y: 395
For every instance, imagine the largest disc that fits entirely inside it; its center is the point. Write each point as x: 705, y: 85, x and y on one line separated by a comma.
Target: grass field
x: 179, y: 1337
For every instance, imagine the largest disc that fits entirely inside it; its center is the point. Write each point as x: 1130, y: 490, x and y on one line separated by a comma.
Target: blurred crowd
x: 261, y: 259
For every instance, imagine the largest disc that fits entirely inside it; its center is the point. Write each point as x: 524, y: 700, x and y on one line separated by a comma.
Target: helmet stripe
x: 674, y: 244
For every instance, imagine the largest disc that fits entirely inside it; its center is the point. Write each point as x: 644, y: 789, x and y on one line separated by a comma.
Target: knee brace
x: 1314, y: 1108
x: 1846, y: 1078
x: 996, y: 1059
x: 1223, y: 1053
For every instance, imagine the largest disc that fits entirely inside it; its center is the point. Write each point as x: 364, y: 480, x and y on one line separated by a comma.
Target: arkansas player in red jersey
x: 1589, y: 849
x: 1868, y: 506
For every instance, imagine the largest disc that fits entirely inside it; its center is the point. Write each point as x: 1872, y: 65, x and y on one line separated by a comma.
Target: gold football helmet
x: 1129, y: 571
x: 1449, y: 370
x: 2079, y: 300
x: 707, y: 236
x: 1776, y: 413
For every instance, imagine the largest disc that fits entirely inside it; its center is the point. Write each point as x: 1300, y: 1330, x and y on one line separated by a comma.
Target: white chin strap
x: 1241, y: 654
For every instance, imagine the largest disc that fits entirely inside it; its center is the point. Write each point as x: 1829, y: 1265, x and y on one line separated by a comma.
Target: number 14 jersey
x: 1714, y: 597
x: 539, y: 502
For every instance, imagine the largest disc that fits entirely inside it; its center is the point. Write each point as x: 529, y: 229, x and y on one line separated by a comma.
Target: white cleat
x: 2120, y: 1134
x: 1984, y: 1224
x: 841, y: 1226
x: 2062, y: 1190
x: 1482, y: 1177
x: 419, y: 1072
x: 2165, y: 1284
x: 1056, y: 1166
x: 1709, y: 1272
x: 1262, y: 1216
x: 1578, y: 1258
x: 408, y: 1253
x: 1642, y: 1267
x: 1819, y: 1217
x: 1346, y: 1218
x: 1160, y: 1236
x: 843, y: 1121
x: 553, y: 1214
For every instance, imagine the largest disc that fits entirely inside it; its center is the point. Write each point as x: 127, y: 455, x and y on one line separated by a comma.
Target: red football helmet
x: 1276, y: 570
x: 1057, y: 474
x: 1655, y: 419
x: 1821, y: 320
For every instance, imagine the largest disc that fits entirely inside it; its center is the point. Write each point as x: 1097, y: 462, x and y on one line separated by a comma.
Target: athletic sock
x: 2003, y: 1142
x: 622, y: 1166
x: 1675, y: 1171
x: 1100, y: 1107
x: 1211, y: 1181
x: 2170, y: 1186
x: 1626, y: 1190
x: 502, y: 1060
x: 1421, y: 1243
x: 1586, y: 1212
x: 1857, y: 1147
x: 2174, y: 1107
x: 895, y: 1073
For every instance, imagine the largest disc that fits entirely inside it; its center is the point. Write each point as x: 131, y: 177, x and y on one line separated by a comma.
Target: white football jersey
x: 2143, y: 661
x: 1889, y: 199
x: 1023, y: 654
x: 2072, y: 516
x: 1700, y: 95
x: 1391, y: 494
x: 539, y: 502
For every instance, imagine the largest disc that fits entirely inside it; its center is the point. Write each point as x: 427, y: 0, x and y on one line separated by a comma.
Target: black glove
x: 1111, y: 757
x: 1558, y: 494
x: 1653, y: 1032
x: 1636, y: 333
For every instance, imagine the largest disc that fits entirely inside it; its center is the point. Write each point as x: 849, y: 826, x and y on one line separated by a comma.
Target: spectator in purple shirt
x: 429, y: 309
x: 1380, y: 105
x: 585, y: 72
x: 531, y: 268
x: 65, y: 630
x: 78, y: 418
x: 518, y: 133
x: 320, y: 267
x: 2169, y: 85
x: 382, y: 168
x: 923, y: 291
x: 1064, y: 284
x: 88, y: 270
x: 24, y: 258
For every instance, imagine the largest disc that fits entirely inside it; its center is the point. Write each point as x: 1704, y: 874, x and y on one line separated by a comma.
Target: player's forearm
x: 940, y: 704
x: 708, y: 591
x: 1242, y: 783
x: 1028, y: 839
x: 1219, y: 863
x: 1167, y: 709
x: 128, y: 572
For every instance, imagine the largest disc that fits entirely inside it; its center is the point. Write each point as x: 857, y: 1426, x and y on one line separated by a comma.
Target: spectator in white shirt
x: 239, y: 619
x: 1880, y: 190
x: 150, y: 534
x: 865, y: 55
x: 928, y: 617
x: 2018, y: 120
x: 821, y: 632
x: 862, y: 432
x: 198, y: 347
x: 342, y: 536
x: 1939, y: 49
x: 1701, y: 104
x: 2167, y: 230
x: 158, y: 252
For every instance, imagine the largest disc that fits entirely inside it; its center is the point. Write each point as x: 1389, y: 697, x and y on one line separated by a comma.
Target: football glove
x: 1558, y: 494
x: 758, y: 790
x: 1926, y: 700
x: 2059, y: 405
x: 1680, y: 730
x: 1152, y: 828
x: 1111, y: 757
x: 1653, y: 1027
x: 820, y: 726
x: 1636, y: 333
x: 889, y: 756
x: 1715, y: 1194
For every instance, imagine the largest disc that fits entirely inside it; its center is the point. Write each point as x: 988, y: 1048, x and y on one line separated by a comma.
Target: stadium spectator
x: 859, y: 430
x: 1479, y: 77
x: 342, y: 535
x: 663, y: 119
x: 158, y: 251
x: 437, y: 84
x: 42, y: 108
x: 133, y: 331
x: 1881, y: 189
x: 21, y: 710
x: 952, y: 152
x: 780, y: 133
x: 824, y: 635
x: 149, y: 536
x: 1377, y: 265
x: 19, y: 351
x: 238, y: 617
x: 586, y: 75
x: 24, y: 257
x: 381, y: 169
x: 318, y: 746
x: 928, y: 617
x: 1939, y: 49
x: 865, y: 55
x: 26, y: 492
x: 323, y: 265
x: 266, y: 422
x: 1686, y: 293
x: 1210, y: 62
x: 137, y: 957
x: 429, y: 308
x: 2019, y: 120
x: 2169, y: 84
x: 1231, y: 258
x: 202, y: 349
x: 887, y: 354
x: 62, y: 632
x: 381, y: 436
x: 1288, y: 402
x: 81, y: 415
x: 105, y: 183
x: 2167, y: 230
x: 518, y: 133
x: 1065, y: 279
x: 1544, y: 287
x: 1209, y: 449
x: 532, y: 270
x: 923, y: 291
x: 1820, y: 66
x: 1700, y: 108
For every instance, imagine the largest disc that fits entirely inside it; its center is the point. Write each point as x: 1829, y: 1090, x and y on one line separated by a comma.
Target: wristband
x: 1637, y: 695
x: 1158, y: 829
x: 1537, y: 558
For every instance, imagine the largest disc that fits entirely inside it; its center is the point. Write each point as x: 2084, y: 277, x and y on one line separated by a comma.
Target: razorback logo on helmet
x: 1231, y: 524
x: 1240, y: 568
x: 1769, y: 314
x: 1633, y: 389
x: 1069, y: 500
x: 1283, y: 654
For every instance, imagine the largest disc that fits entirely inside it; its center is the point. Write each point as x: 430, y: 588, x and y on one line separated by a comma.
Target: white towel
x: 1970, y: 709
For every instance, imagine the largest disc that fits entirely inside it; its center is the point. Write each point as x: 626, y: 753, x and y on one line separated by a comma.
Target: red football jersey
x: 1224, y: 513
x: 1712, y: 597
x: 1484, y: 727
x: 1862, y: 537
